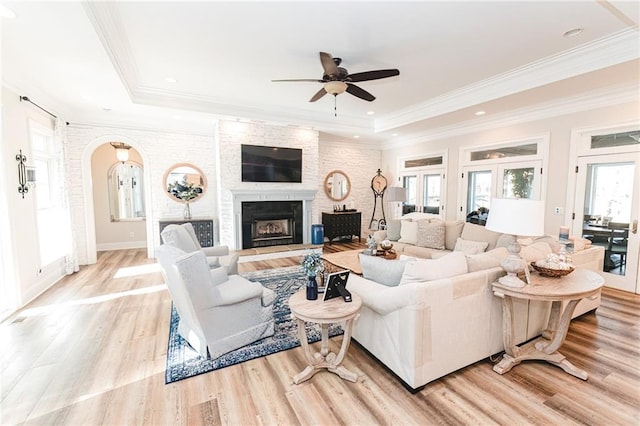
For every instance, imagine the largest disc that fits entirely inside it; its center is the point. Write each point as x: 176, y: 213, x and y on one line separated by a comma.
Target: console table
x: 332, y: 311
x: 202, y: 226
x: 342, y: 224
x: 571, y: 288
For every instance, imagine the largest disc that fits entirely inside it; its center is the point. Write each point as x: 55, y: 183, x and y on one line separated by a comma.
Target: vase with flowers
x: 185, y: 191
x: 311, y: 265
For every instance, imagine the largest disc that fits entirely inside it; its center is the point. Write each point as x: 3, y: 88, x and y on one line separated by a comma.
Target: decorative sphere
x: 386, y: 245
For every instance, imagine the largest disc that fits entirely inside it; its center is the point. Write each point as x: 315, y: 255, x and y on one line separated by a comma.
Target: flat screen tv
x: 271, y: 164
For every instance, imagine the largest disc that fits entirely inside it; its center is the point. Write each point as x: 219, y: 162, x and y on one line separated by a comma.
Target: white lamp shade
x: 396, y: 193
x: 122, y: 154
x: 516, y: 216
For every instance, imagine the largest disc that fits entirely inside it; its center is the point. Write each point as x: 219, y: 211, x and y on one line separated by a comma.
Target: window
x: 423, y: 177
x: 508, y: 170
x: 52, y: 238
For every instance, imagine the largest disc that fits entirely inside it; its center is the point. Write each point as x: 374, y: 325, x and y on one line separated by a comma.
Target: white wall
x: 358, y: 161
x: 159, y: 151
x: 20, y: 236
x: 559, y: 128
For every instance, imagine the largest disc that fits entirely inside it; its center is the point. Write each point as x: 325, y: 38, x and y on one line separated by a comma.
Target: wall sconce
x: 122, y: 150
x: 22, y: 173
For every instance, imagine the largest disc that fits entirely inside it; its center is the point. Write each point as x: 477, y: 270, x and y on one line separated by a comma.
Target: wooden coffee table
x: 324, y: 313
x: 347, y: 259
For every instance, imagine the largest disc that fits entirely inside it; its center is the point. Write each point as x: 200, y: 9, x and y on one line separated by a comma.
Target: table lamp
x: 519, y: 217
x: 396, y: 194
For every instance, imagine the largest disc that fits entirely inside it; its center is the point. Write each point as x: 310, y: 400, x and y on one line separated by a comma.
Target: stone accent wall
x: 231, y: 135
x: 159, y: 151
x: 360, y: 163
x: 218, y: 156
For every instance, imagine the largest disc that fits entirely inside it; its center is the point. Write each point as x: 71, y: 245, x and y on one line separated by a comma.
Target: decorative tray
x: 548, y: 272
x: 387, y: 254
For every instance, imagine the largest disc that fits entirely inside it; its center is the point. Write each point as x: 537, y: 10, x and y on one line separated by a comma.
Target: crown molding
x: 607, y: 51
x: 615, y: 95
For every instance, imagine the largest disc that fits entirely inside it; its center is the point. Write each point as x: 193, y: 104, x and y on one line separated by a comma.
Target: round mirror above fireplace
x: 184, y: 183
x: 337, y: 185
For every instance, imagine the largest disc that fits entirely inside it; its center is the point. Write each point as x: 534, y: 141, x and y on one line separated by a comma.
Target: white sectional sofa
x: 425, y: 330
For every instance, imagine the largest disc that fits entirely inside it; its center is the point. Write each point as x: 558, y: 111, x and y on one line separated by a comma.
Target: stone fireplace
x: 270, y: 217
x: 271, y: 223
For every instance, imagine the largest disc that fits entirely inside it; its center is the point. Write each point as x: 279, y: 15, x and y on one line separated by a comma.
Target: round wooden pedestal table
x: 324, y: 313
x: 571, y: 289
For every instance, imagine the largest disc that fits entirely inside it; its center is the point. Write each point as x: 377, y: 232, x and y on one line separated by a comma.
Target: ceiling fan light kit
x: 337, y: 80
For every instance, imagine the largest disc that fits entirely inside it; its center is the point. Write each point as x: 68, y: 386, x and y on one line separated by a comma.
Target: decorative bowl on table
x: 551, y: 272
x: 386, y: 245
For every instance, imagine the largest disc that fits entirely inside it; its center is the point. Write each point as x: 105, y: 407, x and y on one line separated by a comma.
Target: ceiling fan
x: 337, y: 80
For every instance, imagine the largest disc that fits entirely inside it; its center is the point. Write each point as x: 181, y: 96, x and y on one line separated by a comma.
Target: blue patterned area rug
x: 184, y: 362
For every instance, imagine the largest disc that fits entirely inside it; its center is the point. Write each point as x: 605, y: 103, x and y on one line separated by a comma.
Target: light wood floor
x: 92, y: 349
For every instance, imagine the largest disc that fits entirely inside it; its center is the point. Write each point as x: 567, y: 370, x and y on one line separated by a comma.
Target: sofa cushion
x: 454, y: 263
x: 470, y: 247
x: 381, y: 270
x: 393, y: 229
x: 423, y: 252
x: 452, y: 231
x: 408, y: 232
x: 431, y: 234
x: 474, y: 232
x: 487, y: 260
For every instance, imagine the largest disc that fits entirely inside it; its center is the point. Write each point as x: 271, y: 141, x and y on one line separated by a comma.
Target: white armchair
x: 184, y: 237
x: 217, y: 312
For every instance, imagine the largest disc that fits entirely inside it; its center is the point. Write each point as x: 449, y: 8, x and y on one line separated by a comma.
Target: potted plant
x: 311, y: 265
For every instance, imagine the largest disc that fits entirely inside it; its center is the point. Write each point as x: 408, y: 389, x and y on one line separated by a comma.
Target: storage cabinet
x: 342, y: 224
x: 203, y: 228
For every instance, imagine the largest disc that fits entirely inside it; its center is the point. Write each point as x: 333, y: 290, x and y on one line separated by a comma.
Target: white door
x: 606, y: 212
x: 424, y: 192
x: 522, y: 179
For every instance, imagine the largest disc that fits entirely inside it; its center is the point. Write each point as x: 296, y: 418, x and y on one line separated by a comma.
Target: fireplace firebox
x: 271, y: 223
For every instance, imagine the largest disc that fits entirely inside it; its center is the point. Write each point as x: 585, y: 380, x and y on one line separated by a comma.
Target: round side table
x: 324, y: 313
x: 571, y: 288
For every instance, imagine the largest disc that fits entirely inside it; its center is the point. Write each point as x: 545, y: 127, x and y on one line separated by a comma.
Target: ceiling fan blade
x: 359, y: 92
x: 330, y: 67
x: 372, y: 75
x: 314, y: 80
x: 318, y: 95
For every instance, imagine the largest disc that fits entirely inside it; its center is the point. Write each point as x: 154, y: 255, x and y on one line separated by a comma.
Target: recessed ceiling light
x: 370, y: 112
x: 572, y: 33
x: 480, y: 113
x: 170, y: 80
x: 394, y: 134
x: 356, y: 136
x: 176, y: 117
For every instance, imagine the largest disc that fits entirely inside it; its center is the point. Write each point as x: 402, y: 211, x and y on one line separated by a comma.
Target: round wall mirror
x: 337, y: 185
x: 184, y: 182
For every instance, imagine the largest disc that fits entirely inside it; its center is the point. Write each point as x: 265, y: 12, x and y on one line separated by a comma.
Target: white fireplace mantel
x: 241, y: 195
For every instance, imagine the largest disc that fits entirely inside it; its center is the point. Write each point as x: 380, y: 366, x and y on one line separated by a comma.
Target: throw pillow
x: 430, y: 234
x: 474, y: 232
x: 408, y: 232
x: 381, y: 270
x: 487, y: 260
x: 452, y: 231
x: 419, y: 216
x: 470, y: 247
x: 535, y: 251
x: 422, y: 270
x: 505, y: 240
x: 393, y: 229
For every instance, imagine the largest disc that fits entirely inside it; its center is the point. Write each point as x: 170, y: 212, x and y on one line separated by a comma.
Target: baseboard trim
x: 121, y: 245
